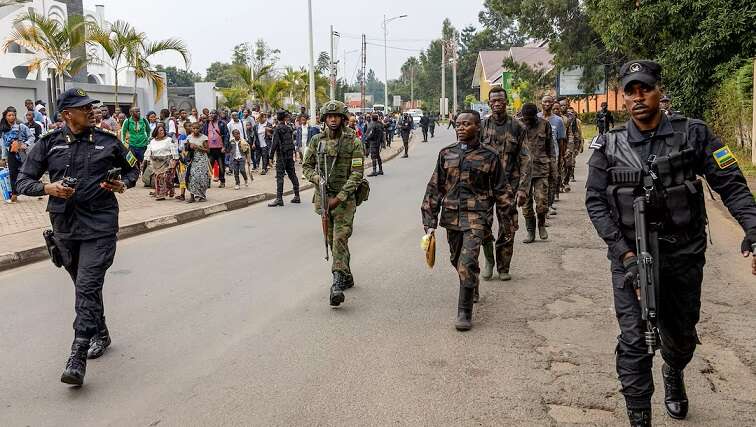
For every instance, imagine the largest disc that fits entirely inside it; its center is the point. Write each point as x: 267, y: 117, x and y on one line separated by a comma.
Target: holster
x: 60, y: 257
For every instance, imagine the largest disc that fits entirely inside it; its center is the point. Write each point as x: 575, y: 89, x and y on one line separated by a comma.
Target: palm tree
x: 248, y: 79
x: 270, y: 92
x: 297, y: 80
x: 119, y: 42
x: 139, y: 61
x: 52, y: 43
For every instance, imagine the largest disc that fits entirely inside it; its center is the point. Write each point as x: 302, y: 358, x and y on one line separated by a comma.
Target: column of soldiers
x: 469, y: 193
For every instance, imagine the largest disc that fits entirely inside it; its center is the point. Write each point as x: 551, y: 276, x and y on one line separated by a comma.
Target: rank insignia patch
x: 724, y: 157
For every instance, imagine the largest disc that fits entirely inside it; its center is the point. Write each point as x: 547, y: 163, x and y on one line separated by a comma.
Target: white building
x: 100, y: 77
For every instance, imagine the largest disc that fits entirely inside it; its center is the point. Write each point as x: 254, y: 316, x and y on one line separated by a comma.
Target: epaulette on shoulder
x: 106, y: 132
x: 489, y: 148
x: 50, y: 133
x: 619, y: 128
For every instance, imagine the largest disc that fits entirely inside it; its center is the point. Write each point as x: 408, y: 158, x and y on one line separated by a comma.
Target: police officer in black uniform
x: 668, y: 154
x: 81, y: 160
x: 283, y: 149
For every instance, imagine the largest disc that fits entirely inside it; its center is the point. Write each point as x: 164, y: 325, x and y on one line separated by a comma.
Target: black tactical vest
x: 677, y: 205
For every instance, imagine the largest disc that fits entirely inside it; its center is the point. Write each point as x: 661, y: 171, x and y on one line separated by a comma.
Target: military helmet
x: 334, y: 107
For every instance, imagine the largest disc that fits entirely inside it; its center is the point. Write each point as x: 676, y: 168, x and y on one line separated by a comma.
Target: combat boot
x: 530, y: 225
x: 348, y: 282
x: 675, y: 398
x: 373, y: 173
x: 337, y: 293
x: 488, y: 251
x: 639, y: 417
x: 476, y: 294
x: 464, y: 309
x: 504, y: 276
x: 542, y: 233
x: 98, y: 344
x: 278, y: 201
x: 76, y: 367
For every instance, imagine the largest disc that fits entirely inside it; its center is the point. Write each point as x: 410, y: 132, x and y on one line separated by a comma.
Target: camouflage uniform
x: 508, y: 139
x: 467, y: 183
x: 344, y: 158
x: 562, y: 156
x: 574, y: 147
x: 539, y: 141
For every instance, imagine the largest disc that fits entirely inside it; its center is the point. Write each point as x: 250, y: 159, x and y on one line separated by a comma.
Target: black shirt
x: 91, y: 212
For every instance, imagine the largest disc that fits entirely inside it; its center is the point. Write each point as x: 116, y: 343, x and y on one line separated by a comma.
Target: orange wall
x: 581, y: 105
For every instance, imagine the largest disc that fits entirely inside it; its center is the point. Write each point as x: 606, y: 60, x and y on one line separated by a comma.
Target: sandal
x: 180, y: 197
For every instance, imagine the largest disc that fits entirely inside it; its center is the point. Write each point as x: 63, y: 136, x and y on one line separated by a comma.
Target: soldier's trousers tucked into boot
x: 538, y: 196
x: 465, y: 249
x: 679, y: 307
x: 504, y: 248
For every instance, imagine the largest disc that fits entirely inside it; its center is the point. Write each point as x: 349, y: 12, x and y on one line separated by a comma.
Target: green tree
x: 119, y: 40
x: 222, y: 74
x: 242, y: 54
x: 52, y: 43
x: 139, y: 60
x: 177, y: 77
x: 235, y: 97
x: 264, y: 55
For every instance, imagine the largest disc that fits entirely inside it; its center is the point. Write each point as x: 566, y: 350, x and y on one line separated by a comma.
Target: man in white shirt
x: 261, y: 146
x: 235, y: 123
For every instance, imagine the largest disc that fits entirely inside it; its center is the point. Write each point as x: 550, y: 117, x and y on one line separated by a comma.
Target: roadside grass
x: 589, y: 131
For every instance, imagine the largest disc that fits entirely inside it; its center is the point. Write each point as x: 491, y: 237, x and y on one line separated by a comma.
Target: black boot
x: 488, y: 251
x: 348, y: 282
x: 530, y: 225
x: 476, y: 294
x: 278, y: 201
x: 296, y: 198
x: 337, y: 293
x: 542, y: 233
x: 98, y: 344
x: 373, y: 173
x: 380, y: 166
x: 76, y: 367
x: 675, y: 398
x: 639, y: 417
x: 464, y: 309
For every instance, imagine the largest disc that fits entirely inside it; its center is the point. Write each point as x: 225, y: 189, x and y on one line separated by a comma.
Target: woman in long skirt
x: 198, y: 175
x: 162, y: 154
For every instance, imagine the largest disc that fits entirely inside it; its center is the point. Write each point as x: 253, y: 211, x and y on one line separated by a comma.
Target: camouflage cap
x: 334, y: 107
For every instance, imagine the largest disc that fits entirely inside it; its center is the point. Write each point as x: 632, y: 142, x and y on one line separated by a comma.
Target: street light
x: 385, y: 59
x: 313, y: 112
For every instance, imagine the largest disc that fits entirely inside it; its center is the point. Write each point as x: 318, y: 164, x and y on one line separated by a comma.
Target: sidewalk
x: 21, y: 224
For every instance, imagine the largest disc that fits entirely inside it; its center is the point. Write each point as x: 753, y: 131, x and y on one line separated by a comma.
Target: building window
x: 21, y: 71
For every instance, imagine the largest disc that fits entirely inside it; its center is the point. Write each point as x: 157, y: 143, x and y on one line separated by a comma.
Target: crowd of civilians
x: 182, y: 151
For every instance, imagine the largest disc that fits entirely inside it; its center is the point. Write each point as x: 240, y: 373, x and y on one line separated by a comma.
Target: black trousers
x: 14, y: 166
x: 433, y: 131
x: 215, y: 154
x: 285, y: 166
x: 678, y: 313
x: 89, y: 261
x: 405, y: 141
x: 425, y: 134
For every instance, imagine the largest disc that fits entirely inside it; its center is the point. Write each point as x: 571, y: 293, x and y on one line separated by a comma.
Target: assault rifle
x: 647, y: 246
x: 323, y: 187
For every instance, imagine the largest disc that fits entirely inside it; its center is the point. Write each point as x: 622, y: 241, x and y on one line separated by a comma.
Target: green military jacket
x: 344, y: 158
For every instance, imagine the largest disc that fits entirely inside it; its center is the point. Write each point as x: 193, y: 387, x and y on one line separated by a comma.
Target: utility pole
x: 412, y: 85
x: 362, y: 73
x: 442, y: 111
x: 313, y: 106
x: 454, y: 74
x: 753, y: 123
x: 385, y: 59
x: 333, y: 69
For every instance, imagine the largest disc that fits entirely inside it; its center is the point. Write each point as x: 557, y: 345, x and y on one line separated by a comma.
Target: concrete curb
x: 11, y: 260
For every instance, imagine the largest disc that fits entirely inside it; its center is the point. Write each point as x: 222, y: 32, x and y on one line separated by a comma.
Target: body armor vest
x: 668, y: 166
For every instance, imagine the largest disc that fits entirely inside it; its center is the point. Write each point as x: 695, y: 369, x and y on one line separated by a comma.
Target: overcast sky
x: 212, y: 28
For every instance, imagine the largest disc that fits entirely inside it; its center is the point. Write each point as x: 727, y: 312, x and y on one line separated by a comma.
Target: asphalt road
x: 226, y: 322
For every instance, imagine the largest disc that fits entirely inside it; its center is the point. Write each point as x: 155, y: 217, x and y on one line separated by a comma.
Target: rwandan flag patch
x: 131, y: 159
x: 724, y: 157
x: 357, y: 162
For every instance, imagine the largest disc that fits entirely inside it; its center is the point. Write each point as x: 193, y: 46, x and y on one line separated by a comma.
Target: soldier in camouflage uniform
x: 574, y: 142
x: 506, y: 135
x: 539, y: 141
x: 467, y: 183
x: 341, y: 152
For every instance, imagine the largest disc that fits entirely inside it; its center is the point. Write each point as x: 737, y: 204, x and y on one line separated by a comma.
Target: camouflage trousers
x: 504, y: 248
x: 339, y: 231
x: 465, y: 249
x: 569, y: 164
x: 553, y: 182
x: 539, y: 193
